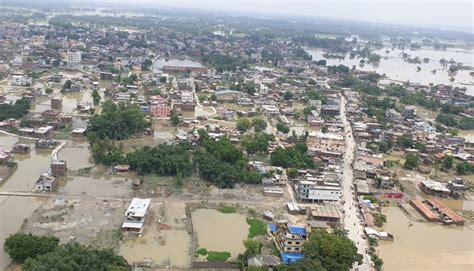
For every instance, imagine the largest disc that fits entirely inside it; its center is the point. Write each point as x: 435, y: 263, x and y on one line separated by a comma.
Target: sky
x: 444, y: 14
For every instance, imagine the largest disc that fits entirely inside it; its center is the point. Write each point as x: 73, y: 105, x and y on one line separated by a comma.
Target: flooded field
x: 396, y: 68
x: 13, y: 211
x: 217, y: 231
x: 164, y: 247
x: 30, y: 166
x: 425, y: 246
x: 77, y: 155
x: 109, y: 186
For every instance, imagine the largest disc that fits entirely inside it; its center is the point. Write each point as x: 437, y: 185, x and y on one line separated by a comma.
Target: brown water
x: 98, y: 187
x: 396, y: 68
x: 13, y: 210
x: 217, y: 231
x: 77, y: 154
x: 425, y: 246
x: 30, y: 166
x: 459, y: 205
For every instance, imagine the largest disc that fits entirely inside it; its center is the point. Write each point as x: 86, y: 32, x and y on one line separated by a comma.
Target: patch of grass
x: 202, y: 251
x: 216, y: 256
x: 257, y: 227
x: 227, y: 210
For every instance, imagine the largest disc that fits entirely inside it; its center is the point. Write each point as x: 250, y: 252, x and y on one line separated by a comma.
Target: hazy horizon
x: 450, y: 15
x: 454, y: 15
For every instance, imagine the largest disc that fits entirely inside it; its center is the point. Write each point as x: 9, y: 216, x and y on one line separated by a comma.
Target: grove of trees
x: 117, y: 121
x: 295, y: 157
x: 16, y: 111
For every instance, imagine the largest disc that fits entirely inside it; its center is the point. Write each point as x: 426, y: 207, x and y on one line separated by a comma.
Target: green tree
x: 295, y: 157
x: 464, y: 168
x: 259, y: 124
x: 67, y: 85
x: 412, y: 161
x: 163, y: 79
x: 334, y: 252
x: 95, y: 97
x: 447, y: 162
x: 16, y: 111
x: 282, y: 128
x: 252, y: 248
x: 243, y: 124
x: 117, y: 121
x: 74, y: 256
x: 21, y: 246
x: 288, y: 95
x: 48, y: 90
x: 174, y: 118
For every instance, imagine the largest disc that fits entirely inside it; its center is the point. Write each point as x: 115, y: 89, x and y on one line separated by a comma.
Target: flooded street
x: 217, y: 231
x: 425, y: 246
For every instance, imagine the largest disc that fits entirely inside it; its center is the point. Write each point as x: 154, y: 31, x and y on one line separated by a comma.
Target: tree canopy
x: 334, y: 252
x: 223, y: 164
x: 294, y: 157
x: 162, y: 160
x: 21, y: 246
x: 16, y: 111
x: 117, y: 122
x: 74, y: 256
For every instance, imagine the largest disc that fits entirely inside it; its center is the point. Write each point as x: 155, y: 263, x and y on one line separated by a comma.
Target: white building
x: 270, y: 110
x: 74, y: 56
x: 136, y: 214
x: 311, y: 191
x: 20, y: 79
x: 187, y: 96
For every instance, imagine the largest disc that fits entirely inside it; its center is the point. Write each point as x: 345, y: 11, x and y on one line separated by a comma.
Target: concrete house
x: 135, y: 215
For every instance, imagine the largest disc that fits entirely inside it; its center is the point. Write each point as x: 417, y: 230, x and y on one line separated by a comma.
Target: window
x: 289, y: 243
x: 297, y: 248
x: 297, y: 243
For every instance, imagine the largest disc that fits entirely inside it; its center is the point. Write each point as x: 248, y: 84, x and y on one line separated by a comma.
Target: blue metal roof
x: 288, y: 258
x: 297, y: 230
x: 272, y: 227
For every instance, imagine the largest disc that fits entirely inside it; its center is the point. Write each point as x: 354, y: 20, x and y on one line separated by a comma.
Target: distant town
x: 151, y: 140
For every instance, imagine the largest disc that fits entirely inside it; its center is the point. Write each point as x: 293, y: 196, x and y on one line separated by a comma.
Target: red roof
x: 446, y: 211
x: 426, y: 212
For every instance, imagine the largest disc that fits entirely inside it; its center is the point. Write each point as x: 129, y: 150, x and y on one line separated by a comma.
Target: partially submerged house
x: 21, y: 148
x: 135, y: 215
x: 46, y: 182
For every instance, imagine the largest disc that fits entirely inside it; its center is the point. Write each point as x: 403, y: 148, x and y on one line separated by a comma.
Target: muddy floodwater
x: 77, y: 154
x: 396, y: 68
x: 12, y: 220
x: 217, y: 231
x: 425, y: 246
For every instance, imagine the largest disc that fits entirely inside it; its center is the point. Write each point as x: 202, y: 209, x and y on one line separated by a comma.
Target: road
x: 351, y: 221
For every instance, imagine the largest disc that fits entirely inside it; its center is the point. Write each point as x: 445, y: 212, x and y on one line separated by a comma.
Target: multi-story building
x: 136, y: 215
x: 317, y: 191
x: 187, y: 96
x: 289, y: 239
x: 160, y: 110
x: 74, y: 56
